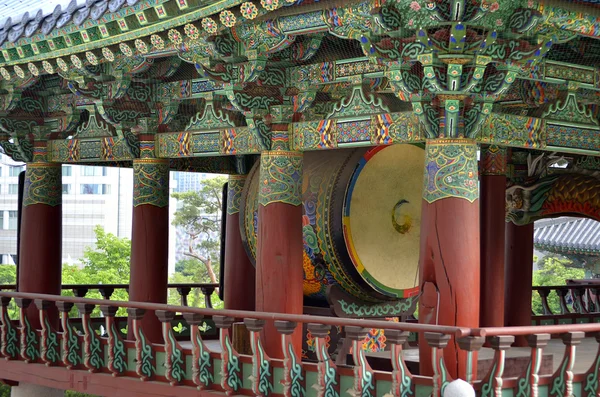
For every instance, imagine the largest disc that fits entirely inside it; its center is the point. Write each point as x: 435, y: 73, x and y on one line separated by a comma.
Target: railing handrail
x: 298, y: 318
x: 566, y: 286
x: 118, y: 286
x: 459, y: 332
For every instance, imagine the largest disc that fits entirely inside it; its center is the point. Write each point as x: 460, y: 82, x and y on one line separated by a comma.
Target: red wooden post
x: 493, y: 188
x: 40, y: 255
x: 519, y: 277
x: 449, y: 260
x: 240, y: 276
x: 279, y: 275
x: 149, y: 236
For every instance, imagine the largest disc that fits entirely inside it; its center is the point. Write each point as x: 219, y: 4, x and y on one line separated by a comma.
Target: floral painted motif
x: 191, y: 31
x: 209, y: 25
x: 19, y: 72
x: 227, y: 18
x: 249, y: 10
x: 76, y: 61
x: 33, y: 69
x: 157, y: 42
x: 62, y: 65
x: 5, y: 73
x: 270, y: 5
x: 92, y: 58
x: 141, y: 46
x: 175, y: 37
x: 108, y: 54
x: 125, y: 49
x: 48, y: 67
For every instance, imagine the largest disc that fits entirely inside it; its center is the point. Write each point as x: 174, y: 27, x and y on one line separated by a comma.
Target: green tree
x: 553, y: 271
x: 200, y: 217
x: 199, y: 214
x: 108, y: 263
x: 8, y: 274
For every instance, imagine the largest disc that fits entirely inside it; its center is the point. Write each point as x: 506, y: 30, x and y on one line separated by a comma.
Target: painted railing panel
x: 190, y: 367
x: 567, y: 304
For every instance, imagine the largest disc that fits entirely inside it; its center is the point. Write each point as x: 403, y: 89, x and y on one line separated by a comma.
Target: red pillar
x: 279, y: 273
x: 493, y: 191
x: 240, y: 276
x: 150, y: 239
x: 40, y: 256
x: 518, y: 277
x: 449, y: 252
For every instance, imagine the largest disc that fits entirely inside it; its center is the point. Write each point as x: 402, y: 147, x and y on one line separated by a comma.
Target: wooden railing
x: 62, y: 358
x: 574, y: 303
x: 107, y: 290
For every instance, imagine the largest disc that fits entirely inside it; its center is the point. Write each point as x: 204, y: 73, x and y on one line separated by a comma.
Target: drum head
x: 382, y: 218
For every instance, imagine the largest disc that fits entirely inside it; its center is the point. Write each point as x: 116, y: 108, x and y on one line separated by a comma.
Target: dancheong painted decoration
x: 386, y: 158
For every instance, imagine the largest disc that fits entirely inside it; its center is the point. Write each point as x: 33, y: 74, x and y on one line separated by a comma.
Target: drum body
x: 361, y: 221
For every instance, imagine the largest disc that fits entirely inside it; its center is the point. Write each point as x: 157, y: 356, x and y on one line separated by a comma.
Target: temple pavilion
x: 387, y: 161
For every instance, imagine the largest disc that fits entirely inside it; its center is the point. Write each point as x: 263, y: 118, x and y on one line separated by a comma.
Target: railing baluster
x: 145, y: 365
x: 231, y: 369
x: 562, y: 293
x: 49, y: 347
x: 29, y: 338
x: 117, y: 356
x: 591, y: 387
x: 402, y: 379
x: 202, y: 367
x: 183, y: 294
x: 596, y: 292
x: 471, y: 344
x: 328, y: 383
x: 174, y: 359
x: 441, y: 377
x: 71, y: 348
x: 106, y: 292
x: 262, y: 372
x: 491, y: 385
x: 544, y: 295
x: 577, y: 293
x: 80, y: 292
x: 9, y: 340
x: 364, y: 377
x: 207, y: 291
x: 93, y: 354
x: 528, y: 381
x: 562, y: 380
x: 294, y: 382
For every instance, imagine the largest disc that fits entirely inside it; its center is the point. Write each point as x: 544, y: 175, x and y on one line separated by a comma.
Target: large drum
x: 361, y: 221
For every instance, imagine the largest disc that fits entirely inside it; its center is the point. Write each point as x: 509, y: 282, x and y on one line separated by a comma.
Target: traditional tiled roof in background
x: 568, y: 236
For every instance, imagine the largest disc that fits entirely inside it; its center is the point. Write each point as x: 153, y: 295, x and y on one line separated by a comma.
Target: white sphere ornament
x: 459, y: 388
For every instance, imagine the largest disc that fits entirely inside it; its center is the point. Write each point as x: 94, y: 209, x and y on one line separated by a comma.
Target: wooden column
x: 149, y: 236
x: 518, y: 277
x: 449, y: 260
x: 240, y: 276
x: 40, y: 256
x: 279, y: 274
x: 493, y: 219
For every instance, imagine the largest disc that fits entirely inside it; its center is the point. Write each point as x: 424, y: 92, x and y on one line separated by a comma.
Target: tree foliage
x: 8, y: 274
x: 200, y: 217
x: 108, y: 263
x: 553, y: 271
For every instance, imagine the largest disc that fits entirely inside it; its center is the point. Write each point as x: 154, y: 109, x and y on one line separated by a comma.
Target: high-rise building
x: 91, y: 196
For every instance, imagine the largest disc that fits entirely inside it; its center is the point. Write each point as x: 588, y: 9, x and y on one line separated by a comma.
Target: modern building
x: 91, y: 196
